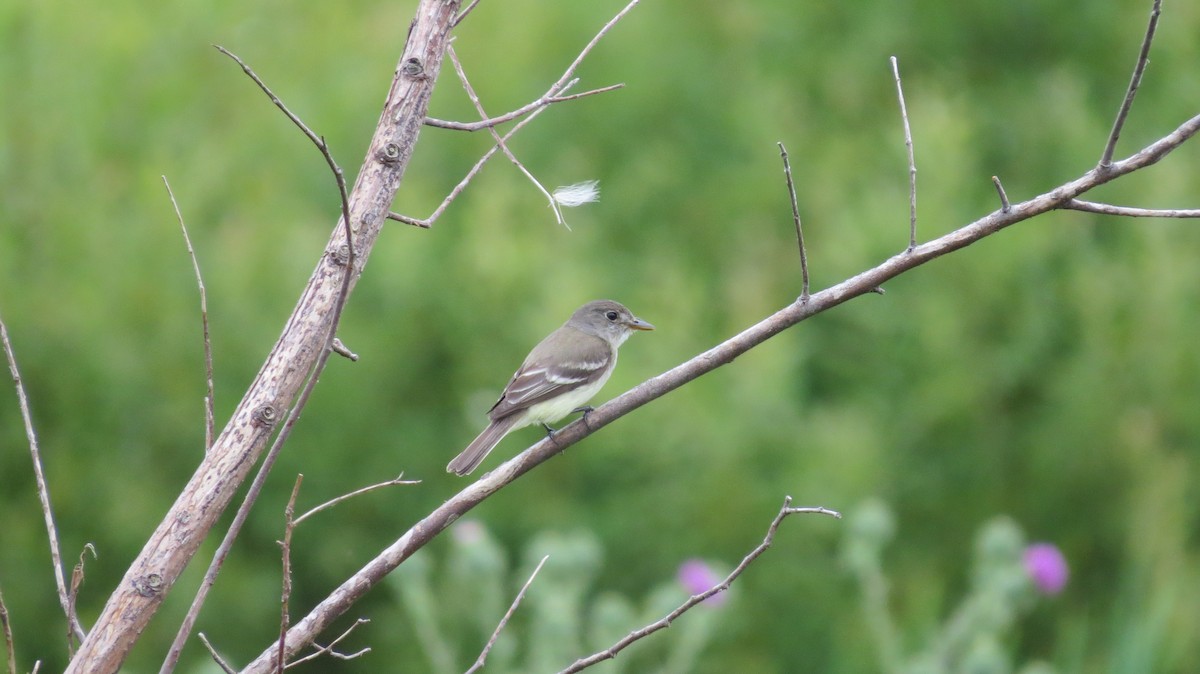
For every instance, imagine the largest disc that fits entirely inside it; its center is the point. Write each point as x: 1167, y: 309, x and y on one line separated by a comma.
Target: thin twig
x: 9, y: 649
x: 323, y: 650
x: 235, y: 527
x: 504, y: 621
x: 43, y: 488
x: 912, y: 162
x: 462, y: 77
x: 554, y: 94
x: 77, y: 575
x: 225, y: 666
x: 509, y: 116
x: 1130, y: 212
x: 319, y: 141
x: 399, y: 479
x: 560, y: 85
x: 289, y: 514
x: 1134, y: 82
x: 665, y: 621
x: 791, y: 187
x: 209, y: 417
x: 462, y: 184
x: 1004, y: 205
x: 463, y: 14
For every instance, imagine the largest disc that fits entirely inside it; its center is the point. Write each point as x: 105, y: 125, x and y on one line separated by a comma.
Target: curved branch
x: 664, y: 622
x: 350, y: 591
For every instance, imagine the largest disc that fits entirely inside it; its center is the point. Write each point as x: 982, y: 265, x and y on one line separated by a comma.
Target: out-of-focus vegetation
x: 1048, y: 373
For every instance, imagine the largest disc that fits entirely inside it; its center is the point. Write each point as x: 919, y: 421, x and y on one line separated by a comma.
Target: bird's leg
x: 586, y: 409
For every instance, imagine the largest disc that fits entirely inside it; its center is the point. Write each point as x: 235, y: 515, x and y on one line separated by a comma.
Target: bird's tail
x: 470, y: 458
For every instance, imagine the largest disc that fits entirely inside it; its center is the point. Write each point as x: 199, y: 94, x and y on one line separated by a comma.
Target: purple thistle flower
x: 1047, y: 567
x: 696, y: 577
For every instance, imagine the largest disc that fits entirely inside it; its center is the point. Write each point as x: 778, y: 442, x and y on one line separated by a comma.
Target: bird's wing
x: 538, y: 381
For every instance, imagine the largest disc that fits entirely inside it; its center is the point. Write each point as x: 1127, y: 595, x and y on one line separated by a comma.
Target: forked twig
x: 555, y: 94
x: 912, y: 162
x: 43, y: 489
x: 665, y: 621
x: 323, y: 650
x: 209, y: 417
x: 791, y: 187
x: 504, y: 621
x: 462, y: 77
x: 1134, y: 82
x: 466, y: 180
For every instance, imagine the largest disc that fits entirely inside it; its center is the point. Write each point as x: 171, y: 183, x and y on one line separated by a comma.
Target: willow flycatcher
x: 558, y: 377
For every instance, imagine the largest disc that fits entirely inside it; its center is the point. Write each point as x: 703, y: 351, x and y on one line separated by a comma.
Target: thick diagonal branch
x: 355, y: 587
x: 272, y: 392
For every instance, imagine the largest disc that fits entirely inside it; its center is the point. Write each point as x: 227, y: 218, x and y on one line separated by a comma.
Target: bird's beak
x: 639, y: 324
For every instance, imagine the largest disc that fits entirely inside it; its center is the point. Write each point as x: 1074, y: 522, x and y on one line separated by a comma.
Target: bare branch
x: 791, y: 188
x: 1134, y: 82
x: 1004, y: 205
x: 9, y: 648
x: 665, y: 621
x: 912, y: 162
x: 554, y: 94
x: 561, y: 84
x: 338, y: 175
x: 462, y: 77
x: 1130, y: 212
x: 398, y: 480
x: 869, y: 281
x: 225, y: 666
x: 504, y: 621
x: 328, y: 650
x: 209, y: 418
x: 289, y: 514
x: 523, y: 110
x: 43, y: 489
x: 466, y: 180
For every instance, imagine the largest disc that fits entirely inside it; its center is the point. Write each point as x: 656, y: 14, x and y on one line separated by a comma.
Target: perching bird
x: 558, y: 377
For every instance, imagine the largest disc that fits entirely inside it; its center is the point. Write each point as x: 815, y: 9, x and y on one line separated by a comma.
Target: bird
x: 559, y: 376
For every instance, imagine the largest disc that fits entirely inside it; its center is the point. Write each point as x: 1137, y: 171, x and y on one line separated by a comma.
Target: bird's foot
x: 586, y: 409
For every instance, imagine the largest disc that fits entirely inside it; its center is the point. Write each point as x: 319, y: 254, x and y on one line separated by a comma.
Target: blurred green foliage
x: 974, y: 634
x: 455, y: 609
x: 1048, y: 372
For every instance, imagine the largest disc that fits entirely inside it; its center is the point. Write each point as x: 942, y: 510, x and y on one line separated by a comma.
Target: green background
x: 1048, y: 373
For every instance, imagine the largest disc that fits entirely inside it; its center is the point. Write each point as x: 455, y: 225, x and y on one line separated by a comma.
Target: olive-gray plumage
x: 559, y: 375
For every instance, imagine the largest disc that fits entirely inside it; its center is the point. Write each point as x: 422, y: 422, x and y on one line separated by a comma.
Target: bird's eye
x: 612, y: 315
